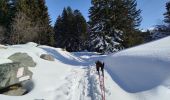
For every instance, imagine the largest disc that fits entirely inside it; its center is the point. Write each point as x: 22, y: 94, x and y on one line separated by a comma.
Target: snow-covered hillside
x: 143, y: 71
x: 139, y: 73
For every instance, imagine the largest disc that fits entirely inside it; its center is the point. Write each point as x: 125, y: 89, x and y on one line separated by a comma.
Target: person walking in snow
x: 100, y: 65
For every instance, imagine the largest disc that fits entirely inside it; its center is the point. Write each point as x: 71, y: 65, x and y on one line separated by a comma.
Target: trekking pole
x: 103, y: 87
x: 100, y: 86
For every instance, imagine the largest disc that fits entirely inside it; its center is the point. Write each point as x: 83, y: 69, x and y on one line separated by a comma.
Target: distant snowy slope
x: 144, y: 68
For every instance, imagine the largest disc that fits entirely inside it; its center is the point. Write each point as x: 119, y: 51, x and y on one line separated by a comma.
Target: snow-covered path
x: 82, y: 82
x: 79, y: 84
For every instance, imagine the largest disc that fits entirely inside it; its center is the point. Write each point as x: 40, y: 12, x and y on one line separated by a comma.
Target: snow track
x: 94, y: 89
x: 67, y: 90
x: 80, y: 84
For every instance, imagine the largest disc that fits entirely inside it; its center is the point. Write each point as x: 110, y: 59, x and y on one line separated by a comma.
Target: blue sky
x: 152, y: 10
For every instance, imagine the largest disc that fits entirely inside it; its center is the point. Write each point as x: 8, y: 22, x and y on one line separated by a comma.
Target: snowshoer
x: 100, y: 65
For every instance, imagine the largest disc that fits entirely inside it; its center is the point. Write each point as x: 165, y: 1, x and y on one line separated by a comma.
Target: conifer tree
x: 3, y: 18
x: 65, y: 31
x: 7, y: 12
x: 43, y: 20
x: 132, y: 35
x: 167, y: 14
x: 59, y: 29
x: 166, y: 28
x: 70, y: 29
x: 81, y: 30
x: 111, y: 24
x: 4, y: 10
x: 103, y: 35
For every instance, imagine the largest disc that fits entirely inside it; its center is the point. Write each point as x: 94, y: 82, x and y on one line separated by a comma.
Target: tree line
x: 25, y: 20
x: 113, y: 25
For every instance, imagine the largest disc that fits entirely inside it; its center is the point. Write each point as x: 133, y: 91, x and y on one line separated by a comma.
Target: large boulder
x: 47, y: 57
x: 15, y: 90
x: 13, y: 73
x: 23, y: 58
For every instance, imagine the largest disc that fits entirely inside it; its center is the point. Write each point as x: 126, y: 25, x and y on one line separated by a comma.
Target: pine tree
x: 133, y: 19
x: 81, y: 30
x: 5, y: 19
x: 58, y: 29
x: 4, y: 10
x: 43, y: 20
x: 70, y: 30
x: 104, y: 36
x: 167, y: 14
x: 63, y: 30
x: 166, y: 28
x: 111, y: 24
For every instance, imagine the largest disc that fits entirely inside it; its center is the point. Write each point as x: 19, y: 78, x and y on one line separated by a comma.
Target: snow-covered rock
x: 16, y: 91
x: 13, y: 73
x: 47, y: 57
x: 23, y: 58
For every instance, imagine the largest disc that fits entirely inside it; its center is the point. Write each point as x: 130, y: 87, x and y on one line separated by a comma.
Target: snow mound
x: 141, y: 68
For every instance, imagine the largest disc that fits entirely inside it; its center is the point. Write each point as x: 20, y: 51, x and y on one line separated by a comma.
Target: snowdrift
x: 141, y: 68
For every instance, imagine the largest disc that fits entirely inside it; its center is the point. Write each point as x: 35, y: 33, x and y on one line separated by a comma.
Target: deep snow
x: 138, y: 73
x: 143, y: 70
